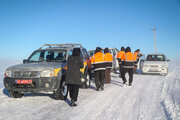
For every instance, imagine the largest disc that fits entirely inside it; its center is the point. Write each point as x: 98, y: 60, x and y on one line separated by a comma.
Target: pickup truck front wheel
x: 15, y: 94
x: 88, y: 81
x: 61, y: 92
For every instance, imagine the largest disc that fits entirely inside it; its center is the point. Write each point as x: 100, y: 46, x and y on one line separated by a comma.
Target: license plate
x: 23, y: 81
x: 153, y: 70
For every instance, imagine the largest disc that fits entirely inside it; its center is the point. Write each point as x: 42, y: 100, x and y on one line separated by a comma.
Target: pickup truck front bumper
x: 46, y: 84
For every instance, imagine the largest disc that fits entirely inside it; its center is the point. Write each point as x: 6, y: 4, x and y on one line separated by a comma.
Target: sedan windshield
x: 48, y: 55
x: 155, y: 58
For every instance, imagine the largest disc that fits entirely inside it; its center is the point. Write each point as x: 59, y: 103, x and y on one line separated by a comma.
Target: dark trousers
x: 99, y: 78
x: 120, y: 68
x: 90, y: 73
x: 73, y: 91
x: 130, y: 72
x: 108, y: 75
x: 135, y: 68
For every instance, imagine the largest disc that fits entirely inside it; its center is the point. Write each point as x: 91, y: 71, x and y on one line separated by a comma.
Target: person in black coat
x: 73, y: 75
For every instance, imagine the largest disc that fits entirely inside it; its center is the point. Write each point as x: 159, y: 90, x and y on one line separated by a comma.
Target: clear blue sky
x: 27, y: 24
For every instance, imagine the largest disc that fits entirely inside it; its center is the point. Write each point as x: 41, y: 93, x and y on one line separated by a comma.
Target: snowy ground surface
x: 151, y: 97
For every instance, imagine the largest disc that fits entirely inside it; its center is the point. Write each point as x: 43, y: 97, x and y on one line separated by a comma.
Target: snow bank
x: 171, y: 92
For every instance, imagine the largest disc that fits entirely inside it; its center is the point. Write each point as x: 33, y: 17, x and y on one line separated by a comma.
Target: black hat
x: 76, y: 52
x: 128, y: 49
x: 98, y: 49
x: 106, y: 50
x: 122, y: 48
x: 137, y: 50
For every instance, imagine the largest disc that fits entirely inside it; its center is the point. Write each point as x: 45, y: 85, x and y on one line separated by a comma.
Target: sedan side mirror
x: 25, y: 61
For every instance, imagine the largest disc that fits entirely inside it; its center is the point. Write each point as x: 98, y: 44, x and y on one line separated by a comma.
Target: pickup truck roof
x: 57, y: 46
x: 156, y: 54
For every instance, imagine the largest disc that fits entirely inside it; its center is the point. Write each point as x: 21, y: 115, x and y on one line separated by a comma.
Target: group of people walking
x: 102, y: 65
x: 128, y: 63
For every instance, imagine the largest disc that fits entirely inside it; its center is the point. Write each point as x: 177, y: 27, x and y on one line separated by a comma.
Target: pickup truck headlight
x: 47, y: 73
x: 163, y: 66
x: 8, y: 73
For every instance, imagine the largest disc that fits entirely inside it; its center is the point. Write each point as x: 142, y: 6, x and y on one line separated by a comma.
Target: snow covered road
x: 151, y: 97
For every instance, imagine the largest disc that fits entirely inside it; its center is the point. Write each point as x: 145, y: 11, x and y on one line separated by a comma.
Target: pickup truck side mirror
x: 25, y: 61
x: 142, y: 60
x: 64, y: 61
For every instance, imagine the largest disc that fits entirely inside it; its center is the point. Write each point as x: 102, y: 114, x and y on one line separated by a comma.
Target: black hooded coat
x: 74, y: 63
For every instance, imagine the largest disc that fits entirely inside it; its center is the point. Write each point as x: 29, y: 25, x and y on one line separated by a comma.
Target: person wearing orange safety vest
x: 109, y: 59
x: 119, y: 56
x: 128, y: 60
x: 99, y: 67
x: 137, y: 55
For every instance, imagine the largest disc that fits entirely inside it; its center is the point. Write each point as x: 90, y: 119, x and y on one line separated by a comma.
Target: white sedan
x: 155, y: 63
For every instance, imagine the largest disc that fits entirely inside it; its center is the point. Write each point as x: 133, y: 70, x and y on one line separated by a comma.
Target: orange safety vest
x: 108, y: 57
x: 91, y: 58
x: 97, y: 58
x: 136, y: 55
x: 128, y: 60
x: 98, y: 61
x: 120, y: 54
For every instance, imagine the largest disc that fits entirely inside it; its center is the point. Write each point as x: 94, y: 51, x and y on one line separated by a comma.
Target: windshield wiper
x: 32, y: 61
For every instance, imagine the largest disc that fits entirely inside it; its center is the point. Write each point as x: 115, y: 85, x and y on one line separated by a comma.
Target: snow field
x: 151, y: 97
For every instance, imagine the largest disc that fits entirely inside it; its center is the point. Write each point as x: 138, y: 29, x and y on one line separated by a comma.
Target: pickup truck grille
x: 26, y: 74
x: 153, y: 65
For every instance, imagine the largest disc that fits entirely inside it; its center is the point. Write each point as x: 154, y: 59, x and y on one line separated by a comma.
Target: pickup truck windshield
x: 48, y: 56
x: 155, y: 58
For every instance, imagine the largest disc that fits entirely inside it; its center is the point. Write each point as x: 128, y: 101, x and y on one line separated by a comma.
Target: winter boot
x: 102, y: 88
x: 130, y: 84
x: 73, y: 104
x: 120, y: 75
x: 124, y: 82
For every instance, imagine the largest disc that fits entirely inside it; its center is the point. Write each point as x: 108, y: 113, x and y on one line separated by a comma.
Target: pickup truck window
x: 85, y: 53
x: 48, y: 56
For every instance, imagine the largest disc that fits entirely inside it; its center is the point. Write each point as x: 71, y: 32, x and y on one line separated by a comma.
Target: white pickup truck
x: 154, y: 64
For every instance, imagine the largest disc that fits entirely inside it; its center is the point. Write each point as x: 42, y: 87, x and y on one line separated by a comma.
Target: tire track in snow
x: 124, y: 104
x: 139, y: 100
x: 169, y: 104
